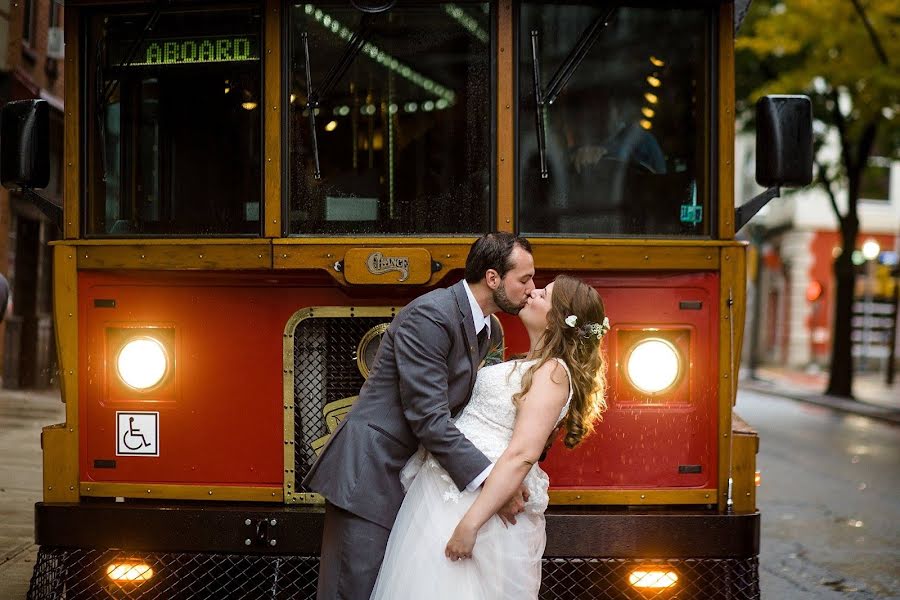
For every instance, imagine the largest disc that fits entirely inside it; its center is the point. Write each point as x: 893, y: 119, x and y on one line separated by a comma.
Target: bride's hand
x: 461, y: 543
x: 513, y: 506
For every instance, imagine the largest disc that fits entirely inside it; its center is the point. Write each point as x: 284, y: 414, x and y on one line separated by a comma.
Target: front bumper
x: 271, y: 552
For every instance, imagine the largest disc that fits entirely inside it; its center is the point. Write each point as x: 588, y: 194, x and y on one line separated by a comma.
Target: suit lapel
x: 468, y: 325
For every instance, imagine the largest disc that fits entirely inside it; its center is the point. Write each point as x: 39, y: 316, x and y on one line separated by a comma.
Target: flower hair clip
x: 597, y: 330
x: 604, y: 328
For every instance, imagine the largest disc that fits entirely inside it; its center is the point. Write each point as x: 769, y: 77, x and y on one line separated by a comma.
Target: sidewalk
x: 22, y: 414
x: 873, y: 397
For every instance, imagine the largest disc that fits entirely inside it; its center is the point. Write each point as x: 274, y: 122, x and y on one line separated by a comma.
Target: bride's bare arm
x: 535, y: 420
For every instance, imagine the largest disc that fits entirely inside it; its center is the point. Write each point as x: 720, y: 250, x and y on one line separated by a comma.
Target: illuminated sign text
x: 196, y: 50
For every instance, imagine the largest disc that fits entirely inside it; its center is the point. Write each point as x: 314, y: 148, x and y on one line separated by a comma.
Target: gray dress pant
x: 352, y: 551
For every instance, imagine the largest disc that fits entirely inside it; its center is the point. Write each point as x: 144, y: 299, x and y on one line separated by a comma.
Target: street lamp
x: 870, y: 251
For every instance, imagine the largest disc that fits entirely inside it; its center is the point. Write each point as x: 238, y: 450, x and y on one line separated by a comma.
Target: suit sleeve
x: 422, y: 349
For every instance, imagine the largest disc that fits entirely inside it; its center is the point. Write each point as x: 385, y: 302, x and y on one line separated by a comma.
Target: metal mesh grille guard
x: 325, y: 371
x: 78, y: 574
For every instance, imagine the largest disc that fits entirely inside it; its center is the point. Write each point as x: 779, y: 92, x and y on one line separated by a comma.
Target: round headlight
x: 142, y: 363
x: 653, y: 365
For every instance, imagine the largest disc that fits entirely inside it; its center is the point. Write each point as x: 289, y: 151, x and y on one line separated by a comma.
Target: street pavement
x: 22, y: 414
x: 828, y: 499
x: 872, y: 397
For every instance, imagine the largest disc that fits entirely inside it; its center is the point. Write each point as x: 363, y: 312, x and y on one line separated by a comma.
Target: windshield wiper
x: 544, y: 98
x: 314, y: 96
x: 132, y: 52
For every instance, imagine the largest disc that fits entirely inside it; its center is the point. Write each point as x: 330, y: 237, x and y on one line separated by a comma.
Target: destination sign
x: 187, y: 51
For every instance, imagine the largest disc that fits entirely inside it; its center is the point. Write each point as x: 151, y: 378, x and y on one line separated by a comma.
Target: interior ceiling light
x: 380, y: 56
x: 467, y: 22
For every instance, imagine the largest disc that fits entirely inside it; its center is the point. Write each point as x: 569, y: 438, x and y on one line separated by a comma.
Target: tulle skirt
x: 505, y: 563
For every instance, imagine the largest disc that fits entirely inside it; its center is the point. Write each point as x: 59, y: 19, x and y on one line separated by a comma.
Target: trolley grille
x: 81, y: 574
x: 607, y: 579
x: 325, y: 371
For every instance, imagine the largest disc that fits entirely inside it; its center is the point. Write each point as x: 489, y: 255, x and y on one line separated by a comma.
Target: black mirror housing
x: 25, y: 144
x: 784, y: 150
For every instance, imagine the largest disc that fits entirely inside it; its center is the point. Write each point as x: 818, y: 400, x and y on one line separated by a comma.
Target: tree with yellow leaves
x: 845, y: 55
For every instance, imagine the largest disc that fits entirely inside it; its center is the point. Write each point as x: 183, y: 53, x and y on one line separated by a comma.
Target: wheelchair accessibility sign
x: 137, y: 433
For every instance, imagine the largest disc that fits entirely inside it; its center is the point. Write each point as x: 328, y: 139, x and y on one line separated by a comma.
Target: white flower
x: 571, y: 320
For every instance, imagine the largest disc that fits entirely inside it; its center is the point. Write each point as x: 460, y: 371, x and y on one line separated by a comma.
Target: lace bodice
x: 487, y: 421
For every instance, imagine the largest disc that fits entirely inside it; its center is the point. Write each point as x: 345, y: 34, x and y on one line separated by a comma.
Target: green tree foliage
x: 845, y: 55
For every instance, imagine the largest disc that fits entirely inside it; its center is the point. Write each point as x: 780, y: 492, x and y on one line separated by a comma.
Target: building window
x: 876, y: 179
x: 28, y: 10
x: 56, y: 13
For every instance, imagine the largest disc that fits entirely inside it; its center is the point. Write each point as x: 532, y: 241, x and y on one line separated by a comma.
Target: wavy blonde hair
x: 579, y: 349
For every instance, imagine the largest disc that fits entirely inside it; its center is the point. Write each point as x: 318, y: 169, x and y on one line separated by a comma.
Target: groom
x: 423, y: 375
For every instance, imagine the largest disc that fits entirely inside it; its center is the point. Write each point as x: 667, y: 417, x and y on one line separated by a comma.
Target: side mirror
x: 784, y: 150
x: 25, y: 144
x: 784, y: 154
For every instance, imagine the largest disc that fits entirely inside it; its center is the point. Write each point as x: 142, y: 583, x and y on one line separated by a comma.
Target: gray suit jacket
x: 423, y: 375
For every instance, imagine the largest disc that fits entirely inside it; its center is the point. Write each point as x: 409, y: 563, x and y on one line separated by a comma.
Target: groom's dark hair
x: 493, y: 251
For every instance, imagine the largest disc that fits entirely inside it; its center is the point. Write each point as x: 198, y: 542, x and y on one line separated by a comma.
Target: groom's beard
x: 504, y: 303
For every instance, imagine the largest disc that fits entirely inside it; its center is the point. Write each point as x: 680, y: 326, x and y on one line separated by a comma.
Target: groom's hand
x: 513, y: 506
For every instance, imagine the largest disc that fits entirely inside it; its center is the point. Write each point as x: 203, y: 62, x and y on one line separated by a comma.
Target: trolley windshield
x: 173, y: 124
x: 614, y: 120
x: 390, y: 120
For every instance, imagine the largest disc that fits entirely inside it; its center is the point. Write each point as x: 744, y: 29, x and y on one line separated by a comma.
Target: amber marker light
x: 647, y: 578
x: 651, y: 98
x: 757, y: 479
x: 129, y: 572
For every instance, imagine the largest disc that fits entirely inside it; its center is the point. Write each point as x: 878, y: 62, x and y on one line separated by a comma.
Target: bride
x: 516, y: 407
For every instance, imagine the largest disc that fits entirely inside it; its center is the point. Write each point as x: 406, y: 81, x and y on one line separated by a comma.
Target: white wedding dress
x: 506, y: 562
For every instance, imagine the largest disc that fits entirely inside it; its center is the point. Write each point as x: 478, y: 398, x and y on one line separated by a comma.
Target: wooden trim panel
x: 322, y: 253
x: 182, y: 492
x: 634, y: 497
x: 60, y: 442
x: 506, y: 143
x: 731, y: 303
x: 72, y: 137
x: 726, y: 121
x: 205, y: 255
x: 746, y: 447
x: 272, y: 118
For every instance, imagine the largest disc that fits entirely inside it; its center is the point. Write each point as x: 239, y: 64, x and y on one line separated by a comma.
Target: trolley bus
x: 252, y: 191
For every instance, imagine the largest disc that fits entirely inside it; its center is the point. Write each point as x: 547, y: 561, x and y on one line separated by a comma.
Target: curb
x: 855, y: 407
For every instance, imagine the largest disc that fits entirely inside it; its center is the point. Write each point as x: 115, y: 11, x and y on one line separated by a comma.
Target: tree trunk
x: 840, y: 381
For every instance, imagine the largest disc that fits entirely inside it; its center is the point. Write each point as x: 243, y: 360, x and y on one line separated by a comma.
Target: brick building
x: 31, y: 53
